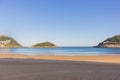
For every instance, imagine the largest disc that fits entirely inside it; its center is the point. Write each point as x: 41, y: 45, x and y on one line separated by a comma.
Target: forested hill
x: 45, y: 45
x: 8, y: 42
x: 111, y: 42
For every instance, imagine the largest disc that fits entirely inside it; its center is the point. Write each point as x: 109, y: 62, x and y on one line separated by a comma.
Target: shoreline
x: 93, y: 58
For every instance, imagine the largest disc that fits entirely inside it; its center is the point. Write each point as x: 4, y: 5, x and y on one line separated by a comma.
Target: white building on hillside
x: 4, y: 43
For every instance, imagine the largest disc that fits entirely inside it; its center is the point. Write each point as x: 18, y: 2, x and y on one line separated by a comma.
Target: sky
x: 63, y: 22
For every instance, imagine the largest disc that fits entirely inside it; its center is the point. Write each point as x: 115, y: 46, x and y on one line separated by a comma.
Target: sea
x: 63, y: 51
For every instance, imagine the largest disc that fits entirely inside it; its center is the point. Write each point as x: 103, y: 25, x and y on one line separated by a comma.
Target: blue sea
x: 68, y: 51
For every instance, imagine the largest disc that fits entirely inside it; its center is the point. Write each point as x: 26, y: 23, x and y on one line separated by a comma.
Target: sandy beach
x: 24, y: 67
x: 105, y: 58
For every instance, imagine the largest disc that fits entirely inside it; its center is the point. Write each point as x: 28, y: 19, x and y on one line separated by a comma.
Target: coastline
x: 96, y: 58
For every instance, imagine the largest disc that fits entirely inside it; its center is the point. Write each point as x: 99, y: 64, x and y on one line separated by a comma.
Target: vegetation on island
x: 114, y: 39
x: 111, y: 42
x: 44, y: 45
x: 8, y: 42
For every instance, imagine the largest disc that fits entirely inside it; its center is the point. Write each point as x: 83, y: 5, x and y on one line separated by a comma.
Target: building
x: 4, y: 43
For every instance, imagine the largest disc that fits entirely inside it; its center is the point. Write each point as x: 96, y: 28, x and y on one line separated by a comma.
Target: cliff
x: 112, y: 42
x: 8, y: 42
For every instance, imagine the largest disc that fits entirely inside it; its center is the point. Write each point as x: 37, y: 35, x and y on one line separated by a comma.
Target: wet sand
x: 22, y: 67
x: 27, y: 69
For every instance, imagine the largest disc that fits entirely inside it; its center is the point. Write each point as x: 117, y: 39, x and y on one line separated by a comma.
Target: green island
x: 8, y: 42
x: 44, y: 45
x: 112, y: 42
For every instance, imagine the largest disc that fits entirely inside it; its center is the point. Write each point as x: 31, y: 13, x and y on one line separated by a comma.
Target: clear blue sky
x: 64, y: 22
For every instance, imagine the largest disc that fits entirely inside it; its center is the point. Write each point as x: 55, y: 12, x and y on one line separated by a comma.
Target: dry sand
x: 55, y: 68
x: 108, y: 59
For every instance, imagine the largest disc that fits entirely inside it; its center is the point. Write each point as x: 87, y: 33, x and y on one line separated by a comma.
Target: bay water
x: 68, y: 51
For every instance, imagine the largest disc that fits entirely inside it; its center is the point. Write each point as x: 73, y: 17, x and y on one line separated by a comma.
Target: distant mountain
x: 112, y: 42
x: 44, y: 45
x: 8, y: 42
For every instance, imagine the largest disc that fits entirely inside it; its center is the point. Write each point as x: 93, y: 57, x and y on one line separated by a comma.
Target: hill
x: 44, y: 45
x: 112, y: 42
x: 8, y: 42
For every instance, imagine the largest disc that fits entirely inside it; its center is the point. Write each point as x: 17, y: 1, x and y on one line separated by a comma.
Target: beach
x: 39, y: 67
x: 97, y: 58
x: 59, y: 39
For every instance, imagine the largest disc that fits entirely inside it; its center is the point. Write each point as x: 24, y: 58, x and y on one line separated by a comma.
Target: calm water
x: 70, y: 51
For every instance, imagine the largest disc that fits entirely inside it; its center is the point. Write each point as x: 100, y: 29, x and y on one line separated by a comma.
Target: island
x: 8, y: 42
x: 112, y: 42
x: 44, y: 45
